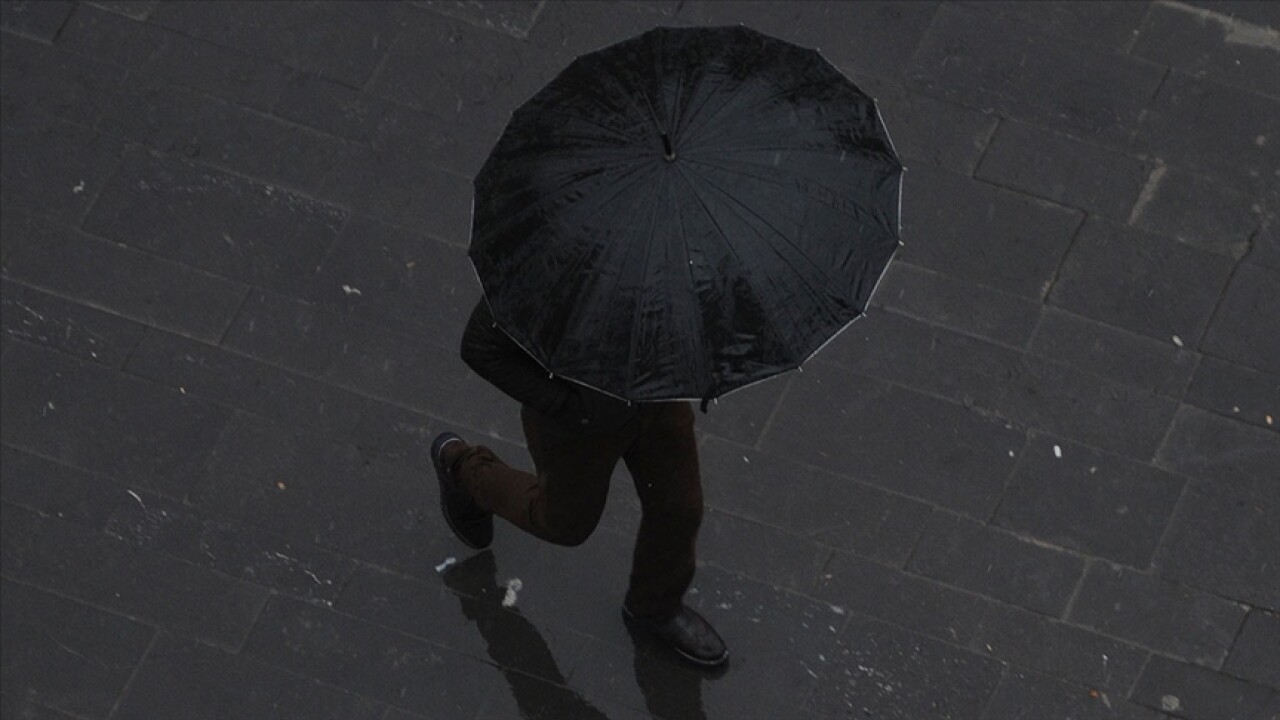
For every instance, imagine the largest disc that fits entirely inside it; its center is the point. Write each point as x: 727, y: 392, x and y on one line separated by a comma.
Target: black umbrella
x: 686, y: 213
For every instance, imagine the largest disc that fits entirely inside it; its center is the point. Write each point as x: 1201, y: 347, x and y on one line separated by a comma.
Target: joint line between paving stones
x: 1235, y: 640
x: 128, y: 684
x: 1057, y: 271
x: 768, y: 423
x: 986, y: 147
x: 1023, y: 453
x: 1137, y: 33
x: 1075, y: 592
x: 129, y: 148
x: 1164, y: 532
x: 146, y: 332
x: 231, y: 322
x: 1222, y: 297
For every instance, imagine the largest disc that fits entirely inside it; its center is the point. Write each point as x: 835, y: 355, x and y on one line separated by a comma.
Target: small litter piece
x: 1177, y: 341
x: 445, y: 565
x: 513, y: 586
x: 1057, y: 451
x: 350, y: 290
x: 1271, y: 420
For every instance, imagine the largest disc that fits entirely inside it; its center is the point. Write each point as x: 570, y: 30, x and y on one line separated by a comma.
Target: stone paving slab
x: 1036, y: 481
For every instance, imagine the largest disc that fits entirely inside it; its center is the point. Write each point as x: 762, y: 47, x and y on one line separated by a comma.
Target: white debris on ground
x: 1177, y: 341
x: 514, y: 585
x: 350, y: 290
x: 1057, y: 451
x: 445, y: 565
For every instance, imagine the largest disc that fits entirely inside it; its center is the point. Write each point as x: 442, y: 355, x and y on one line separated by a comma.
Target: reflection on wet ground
x: 515, y: 646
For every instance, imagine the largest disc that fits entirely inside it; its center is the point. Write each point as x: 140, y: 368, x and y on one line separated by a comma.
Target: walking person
x: 672, y: 218
x: 576, y: 437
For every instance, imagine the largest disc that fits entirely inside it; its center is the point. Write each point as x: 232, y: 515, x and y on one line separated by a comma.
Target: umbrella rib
x: 577, y: 307
x: 771, y: 181
x: 728, y: 246
x: 644, y: 278
x: 821, y: 271
x: 566, y: 187
x: 763, y: 101
x: 693, y: 289
x: 616, y: 133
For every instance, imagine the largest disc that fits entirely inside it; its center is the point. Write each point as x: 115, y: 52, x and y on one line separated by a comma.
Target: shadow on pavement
x: 515, y: 645
x: 670, y: 691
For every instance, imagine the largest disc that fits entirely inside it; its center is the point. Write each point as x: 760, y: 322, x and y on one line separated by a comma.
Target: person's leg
x: 663, y: 461
x: 563, y: 502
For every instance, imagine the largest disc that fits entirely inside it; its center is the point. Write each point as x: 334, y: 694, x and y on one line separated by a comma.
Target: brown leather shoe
x: 687, y: 632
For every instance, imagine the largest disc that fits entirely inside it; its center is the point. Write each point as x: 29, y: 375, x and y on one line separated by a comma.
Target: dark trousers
x: 563, y: 502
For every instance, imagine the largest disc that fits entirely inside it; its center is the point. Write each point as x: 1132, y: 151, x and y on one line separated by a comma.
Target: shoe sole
x: 437, y: 457
x: 634, y: 622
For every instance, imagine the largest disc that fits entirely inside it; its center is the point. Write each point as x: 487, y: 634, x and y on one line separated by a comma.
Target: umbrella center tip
x: 668, y: 151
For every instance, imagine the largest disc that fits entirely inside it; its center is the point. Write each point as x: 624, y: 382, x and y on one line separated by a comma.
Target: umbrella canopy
x: 686, y: 213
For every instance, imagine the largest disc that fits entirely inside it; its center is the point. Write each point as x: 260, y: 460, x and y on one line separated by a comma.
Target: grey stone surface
x: 957, y: 304
x: 136, y: 9
x: 984, y: 560
x: 893, y: 438
x: 884, y: 671
x: 397, y: 278
x: 1023, y: 389
x: 1141, y: 282
x: 44, y: 79
x: 1023, y: 694
x: 1198, y: 694
x: 1256, y: 653
x: 1108, y: 25
x: 246, y: 231
x: 1224, y: 536
x: 195, y: 126
x: 1058, y: 649
x: 1118, y: 355
x: 1198, y: 211
x: 1208, y: 42
x: 1246, y: 328
x: 983, y: 234
x: 1237, y: 392
x: 1066, y: 171
x: 38, y: 20
x: 42, y: 319
x: 907, y: 600
x: 927, y: 129
x: 1158, y: 614
x: 832, y: 509
x: 1216, y: 130
x: 181, y: 677
x: 118, y: 279
x: 156, y: 437
x: 317, y: 37
x: 141, y: 584
x: 64, y: 654
x: 54, y: 169
x: 1089, y: 501
x: 234, y: 381
x: 1003, y: 65
x: 375, y: 662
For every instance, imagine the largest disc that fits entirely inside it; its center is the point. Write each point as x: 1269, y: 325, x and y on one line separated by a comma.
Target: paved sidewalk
x: 1040, y: 480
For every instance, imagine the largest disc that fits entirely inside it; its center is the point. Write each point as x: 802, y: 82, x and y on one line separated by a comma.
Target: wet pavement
x: 1038, y: 480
